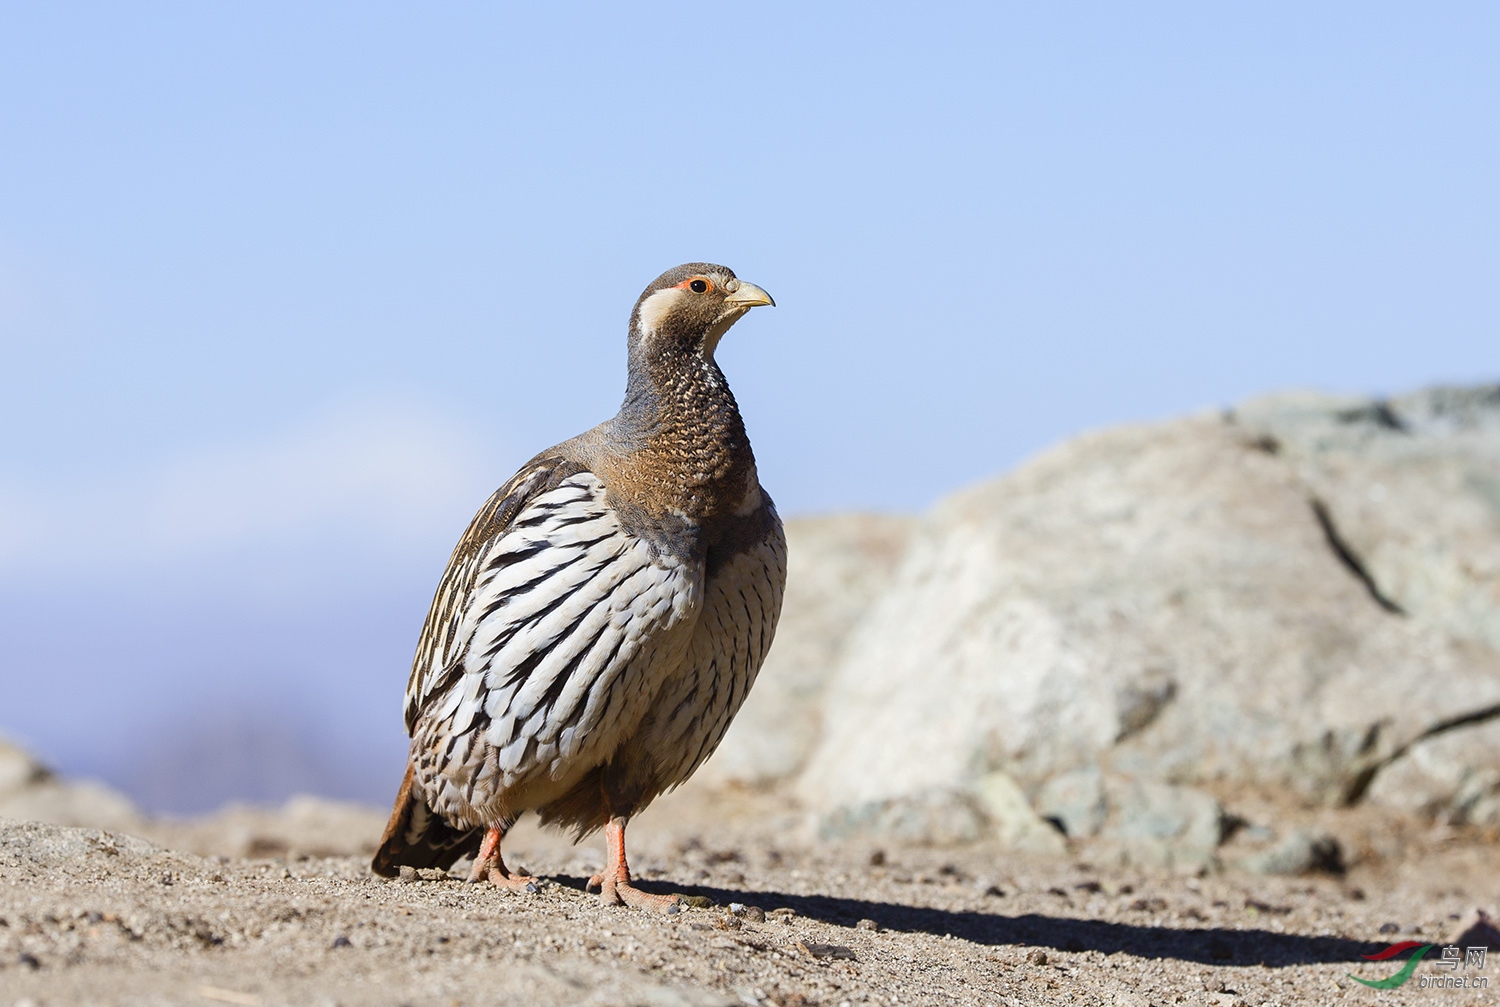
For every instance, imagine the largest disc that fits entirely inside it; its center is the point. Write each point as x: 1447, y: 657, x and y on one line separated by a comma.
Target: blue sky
x: 285, y: 290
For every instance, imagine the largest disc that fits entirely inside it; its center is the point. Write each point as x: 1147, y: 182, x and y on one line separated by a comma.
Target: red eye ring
x: 698, y: 285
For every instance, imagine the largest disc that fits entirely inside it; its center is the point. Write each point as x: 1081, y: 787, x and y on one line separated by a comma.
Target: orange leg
x: 490, y: 866
x: 614, y: 882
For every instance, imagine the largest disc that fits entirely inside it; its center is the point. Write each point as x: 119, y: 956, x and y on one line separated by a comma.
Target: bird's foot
x: 615, y: 884
x: 504, y: 879
x: 614, y: 892
x: 489, y: 866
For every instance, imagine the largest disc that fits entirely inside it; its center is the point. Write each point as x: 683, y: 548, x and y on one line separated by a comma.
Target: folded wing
x: 550, y: 635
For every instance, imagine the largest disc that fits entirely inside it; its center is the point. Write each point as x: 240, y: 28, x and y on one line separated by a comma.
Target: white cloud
x: 388, y: 474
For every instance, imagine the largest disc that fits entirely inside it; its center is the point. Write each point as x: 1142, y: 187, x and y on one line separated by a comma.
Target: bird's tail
x: 417, y: 837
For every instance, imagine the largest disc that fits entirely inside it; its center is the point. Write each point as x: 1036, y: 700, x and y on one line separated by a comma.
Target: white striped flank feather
x: 569, y: 631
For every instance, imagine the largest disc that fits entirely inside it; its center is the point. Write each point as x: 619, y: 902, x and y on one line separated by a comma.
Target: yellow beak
x: 748, y: 295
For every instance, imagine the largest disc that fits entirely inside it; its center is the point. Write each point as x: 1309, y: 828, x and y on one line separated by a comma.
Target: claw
x: 624, y: 893
x: 489, y: 866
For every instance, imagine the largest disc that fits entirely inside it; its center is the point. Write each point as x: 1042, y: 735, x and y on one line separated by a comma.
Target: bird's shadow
x: 1210, y: 946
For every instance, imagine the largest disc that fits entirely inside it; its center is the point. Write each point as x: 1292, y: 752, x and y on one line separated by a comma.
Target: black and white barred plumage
x: 607, y: 610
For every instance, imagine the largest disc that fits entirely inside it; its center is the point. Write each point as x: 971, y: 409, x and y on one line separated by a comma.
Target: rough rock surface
x: 1302, y: 595
x: 1453, y: 776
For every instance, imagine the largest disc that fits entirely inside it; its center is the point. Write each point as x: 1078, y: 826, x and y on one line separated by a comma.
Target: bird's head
x: 691, y: 307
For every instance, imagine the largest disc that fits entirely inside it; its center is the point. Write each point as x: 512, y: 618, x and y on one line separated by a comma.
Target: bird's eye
x: 698, y: 286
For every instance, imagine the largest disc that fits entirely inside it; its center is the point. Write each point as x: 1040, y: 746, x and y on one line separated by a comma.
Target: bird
x: 604, y: 615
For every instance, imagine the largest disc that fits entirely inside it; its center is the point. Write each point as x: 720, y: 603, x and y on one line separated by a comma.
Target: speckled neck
x: 684, y: 447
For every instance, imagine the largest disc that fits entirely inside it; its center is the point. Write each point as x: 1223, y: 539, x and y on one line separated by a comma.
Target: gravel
x: 101, y: 918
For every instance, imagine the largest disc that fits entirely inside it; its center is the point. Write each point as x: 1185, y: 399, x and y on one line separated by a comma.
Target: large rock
x: 1301, y: 594
x: 1411, y: 492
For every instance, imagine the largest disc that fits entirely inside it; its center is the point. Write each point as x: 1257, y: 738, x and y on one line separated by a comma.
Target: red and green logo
x: 1391, y: 952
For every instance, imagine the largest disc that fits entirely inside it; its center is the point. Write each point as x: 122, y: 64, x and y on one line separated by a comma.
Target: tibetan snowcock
x: 604, y: 615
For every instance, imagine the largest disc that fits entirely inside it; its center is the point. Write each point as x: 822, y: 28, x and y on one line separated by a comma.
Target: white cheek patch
x: 657, y: 307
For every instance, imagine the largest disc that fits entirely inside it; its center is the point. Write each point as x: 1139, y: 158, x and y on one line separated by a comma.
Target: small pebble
x: 867, y: 925
x: 1036, y: 956
x: 341, y: 941
x: 821, y: 951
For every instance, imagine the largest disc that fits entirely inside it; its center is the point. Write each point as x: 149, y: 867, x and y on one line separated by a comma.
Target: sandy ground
x: 94, y: 918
